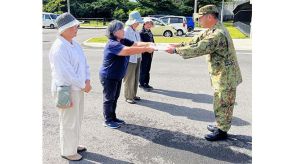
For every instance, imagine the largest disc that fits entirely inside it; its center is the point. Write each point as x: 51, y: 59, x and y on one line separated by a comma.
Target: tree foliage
x: 54, y: 6
x: 119, y: 9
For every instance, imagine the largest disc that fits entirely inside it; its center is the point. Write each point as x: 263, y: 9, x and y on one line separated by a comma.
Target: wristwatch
x: 175, y: 51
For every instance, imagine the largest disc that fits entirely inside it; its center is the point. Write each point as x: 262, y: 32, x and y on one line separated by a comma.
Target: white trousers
x: 70, y: 121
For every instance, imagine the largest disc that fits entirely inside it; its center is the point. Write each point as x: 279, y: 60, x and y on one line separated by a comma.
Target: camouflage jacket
x: 217, y: 44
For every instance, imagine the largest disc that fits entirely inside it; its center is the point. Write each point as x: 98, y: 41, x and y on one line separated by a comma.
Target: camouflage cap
x: 207, y: 9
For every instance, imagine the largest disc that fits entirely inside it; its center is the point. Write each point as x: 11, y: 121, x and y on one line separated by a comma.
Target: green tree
x: 120, y: 14
x: 186, y: 7
x: 202, y: 3
x: 55, y: 6
x: 119, y: 9
x: 159, y: 6
x: 144, y: 11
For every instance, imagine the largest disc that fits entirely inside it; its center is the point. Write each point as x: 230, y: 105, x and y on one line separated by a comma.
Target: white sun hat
x: 134, y: 17
x: 147, y: 19
x: 65, y: 21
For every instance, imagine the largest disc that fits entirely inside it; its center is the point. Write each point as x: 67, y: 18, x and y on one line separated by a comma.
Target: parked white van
x: 178, y: 22
x: 49, y: 20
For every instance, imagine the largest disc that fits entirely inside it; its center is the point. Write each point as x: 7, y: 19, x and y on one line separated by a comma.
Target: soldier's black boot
x: 211, y: 128
x: 216, y: 135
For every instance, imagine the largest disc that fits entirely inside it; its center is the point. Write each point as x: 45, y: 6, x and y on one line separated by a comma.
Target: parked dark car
x: 190, y: 23
x: 156, y: 16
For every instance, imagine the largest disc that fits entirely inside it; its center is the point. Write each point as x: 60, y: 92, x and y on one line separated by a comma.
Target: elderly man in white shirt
x: 69, y: 68
x: 131, y: 78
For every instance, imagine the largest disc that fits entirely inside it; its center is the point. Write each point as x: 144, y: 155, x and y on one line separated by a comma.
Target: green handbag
x: 63, y: 97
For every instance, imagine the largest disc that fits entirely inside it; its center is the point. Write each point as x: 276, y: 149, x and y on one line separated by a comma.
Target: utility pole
x: 68, y: 6
x: 222, y: 12
x: 195, y: 10
x: 195, y: 6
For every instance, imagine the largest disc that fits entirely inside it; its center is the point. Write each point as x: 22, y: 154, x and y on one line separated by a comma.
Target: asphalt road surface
x: 167, y: 126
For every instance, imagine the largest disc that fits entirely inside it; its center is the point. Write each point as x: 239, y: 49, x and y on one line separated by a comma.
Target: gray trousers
x: 131, y: 79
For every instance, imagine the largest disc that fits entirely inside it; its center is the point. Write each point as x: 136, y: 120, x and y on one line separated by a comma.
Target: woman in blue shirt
x: 114, y: 66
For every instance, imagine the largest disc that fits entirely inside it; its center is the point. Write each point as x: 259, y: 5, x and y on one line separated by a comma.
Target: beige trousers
x: 131, y: 79
x: 70, y: 121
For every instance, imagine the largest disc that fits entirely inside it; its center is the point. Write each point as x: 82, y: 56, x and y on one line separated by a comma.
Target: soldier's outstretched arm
x: 197, y: 38
x: 194, y: 40
x: 207, y: 45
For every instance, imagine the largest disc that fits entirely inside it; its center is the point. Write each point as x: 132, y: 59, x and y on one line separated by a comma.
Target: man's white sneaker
x: 75, y: 157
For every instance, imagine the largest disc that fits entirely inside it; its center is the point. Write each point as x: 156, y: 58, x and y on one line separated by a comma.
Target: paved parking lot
x: 167, y: 126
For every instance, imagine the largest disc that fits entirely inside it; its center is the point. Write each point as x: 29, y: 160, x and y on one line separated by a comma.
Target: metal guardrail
x: 98, y: 20
x: 93, y: 20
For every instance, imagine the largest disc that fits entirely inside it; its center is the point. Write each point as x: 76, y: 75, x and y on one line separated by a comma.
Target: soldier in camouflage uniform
x: 223, y: 67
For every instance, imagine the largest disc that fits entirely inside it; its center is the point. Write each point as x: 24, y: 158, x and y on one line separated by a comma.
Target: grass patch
x: 93, y: 23
x: 234, y: 32
x: 228, y: 24
x: 103, y: 39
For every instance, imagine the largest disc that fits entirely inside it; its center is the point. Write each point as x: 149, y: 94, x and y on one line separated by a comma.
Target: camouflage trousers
x: 223, y: 105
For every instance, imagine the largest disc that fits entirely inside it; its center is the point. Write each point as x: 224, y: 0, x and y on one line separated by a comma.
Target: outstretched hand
x: 173, y: 45
x: 170, y: 49
x: 150, y: 49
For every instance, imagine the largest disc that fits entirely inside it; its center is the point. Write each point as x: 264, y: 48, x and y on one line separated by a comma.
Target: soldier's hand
x: 174, y: 45
x: 170, y: 50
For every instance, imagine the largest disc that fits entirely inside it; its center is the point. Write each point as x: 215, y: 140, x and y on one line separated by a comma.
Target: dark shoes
x: 216, y: 135
x: 119, y: 122
x: 137, y: 98
x: 114, y: 124
x: 81, y: 149
x: 211, y: 128
x: 146, y: 87
x: 111, y: 124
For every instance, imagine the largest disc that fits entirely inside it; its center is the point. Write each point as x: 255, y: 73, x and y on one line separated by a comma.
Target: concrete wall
x: 229, y: 7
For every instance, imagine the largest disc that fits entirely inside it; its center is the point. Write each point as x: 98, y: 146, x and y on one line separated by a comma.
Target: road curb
x: 239, y: 44
x: 93, y: 45
x: 90, y: 27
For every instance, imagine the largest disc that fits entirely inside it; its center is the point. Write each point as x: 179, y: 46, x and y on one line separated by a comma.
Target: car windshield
x: 47, y: 16
x: 165, y: 20
x: 53, y: 16
x: 158, y: 22
x: 176, y: 20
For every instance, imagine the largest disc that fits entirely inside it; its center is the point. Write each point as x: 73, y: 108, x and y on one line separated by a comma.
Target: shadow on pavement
x: 90, y: 158
x: 216, y: 150
x: 191, y: 113
x: 200, y: 98
x: 241, y: 141
x: 244, y: 51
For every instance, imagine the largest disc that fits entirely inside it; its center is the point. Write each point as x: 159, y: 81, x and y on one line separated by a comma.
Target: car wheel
x: 52, y: 26
x: 190, y: 29
x: 43, y: 26
x: 180, y: 32
x: 168, y: 34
